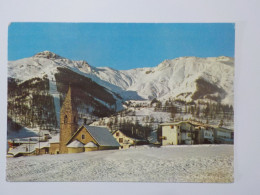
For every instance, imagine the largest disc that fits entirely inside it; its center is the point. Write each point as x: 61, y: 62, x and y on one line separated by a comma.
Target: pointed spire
x: 68, y: 101
x: 68, y: 96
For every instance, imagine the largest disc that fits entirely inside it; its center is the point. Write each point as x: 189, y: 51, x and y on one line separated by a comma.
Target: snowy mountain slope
x: 174, y: 78
x: 187, y: 78
x: 46, y: 63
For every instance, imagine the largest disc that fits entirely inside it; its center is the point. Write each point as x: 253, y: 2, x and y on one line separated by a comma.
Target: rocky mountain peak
x: 47, y: 54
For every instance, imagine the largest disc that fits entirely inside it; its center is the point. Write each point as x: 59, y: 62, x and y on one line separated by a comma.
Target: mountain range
x: 187, y: 78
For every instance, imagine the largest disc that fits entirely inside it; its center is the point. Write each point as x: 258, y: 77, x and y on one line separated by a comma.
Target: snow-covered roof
x: 102, y: 136
x: 176, y: 123
x: 130, y: 135
x: 75, y: 144
x: 90, y: 145
x: 23, y: 148
x: 43, y: 145
x: 55, y: 139
x: 223, y: 129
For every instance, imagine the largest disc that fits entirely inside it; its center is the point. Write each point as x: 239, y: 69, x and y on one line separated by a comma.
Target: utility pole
x: 39, y: 140
x: 29, y: 143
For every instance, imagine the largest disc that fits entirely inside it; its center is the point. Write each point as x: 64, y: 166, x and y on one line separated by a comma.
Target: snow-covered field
x: 197, y: 163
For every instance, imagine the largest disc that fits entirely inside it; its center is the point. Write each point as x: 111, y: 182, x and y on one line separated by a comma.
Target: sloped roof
x: 176, y: 123
x: 55, y: 139
x: 130, y: 135
x: 22, y: 149
x: 102, y: 136
x: 43, y: 145
x: 90, y: 145
x: 75, y: 144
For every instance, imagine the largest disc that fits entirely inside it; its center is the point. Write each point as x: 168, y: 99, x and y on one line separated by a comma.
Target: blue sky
x: 121, y: 45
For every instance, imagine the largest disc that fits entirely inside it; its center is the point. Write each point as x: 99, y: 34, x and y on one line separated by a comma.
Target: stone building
x: 91, y: 138
x: 68, y: 122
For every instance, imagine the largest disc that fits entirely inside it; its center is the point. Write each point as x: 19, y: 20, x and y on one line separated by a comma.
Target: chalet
x: 75, y: 147
x: 54, y: 144
x: 42, y: 147
x: 178, y: 133
x: 23, y: 150
x: 19, y: 141
x: 223, y: 135
x: 96, y: 138
x: 205, y: 135
x: 90, y: 146
x: 126, y: 139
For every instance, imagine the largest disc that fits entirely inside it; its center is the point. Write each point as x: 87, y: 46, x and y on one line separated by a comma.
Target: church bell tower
x: 68, y: 121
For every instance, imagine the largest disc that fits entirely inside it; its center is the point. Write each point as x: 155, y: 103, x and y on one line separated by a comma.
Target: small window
x: 120, y: 140
x: 117, y: 134
x: 65, y: 119
x: 82, y: 136
x: 75, y: 119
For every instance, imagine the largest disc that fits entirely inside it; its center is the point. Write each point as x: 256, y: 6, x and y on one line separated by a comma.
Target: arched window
x: 75, y: 119
x: 65, y: 119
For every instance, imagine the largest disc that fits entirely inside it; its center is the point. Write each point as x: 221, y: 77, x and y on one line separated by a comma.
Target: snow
x: 55, y: 139
x: 75, y: 144
x: 197, y: 163
x: 90, y: 145
x: 43, y: 145
x: 23, y: 148
x: 102, y: 136
x: 169, y: 79
x: 56, y: 96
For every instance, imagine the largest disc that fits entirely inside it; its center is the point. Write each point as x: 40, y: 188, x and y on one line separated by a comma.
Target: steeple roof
x: 68, y: 102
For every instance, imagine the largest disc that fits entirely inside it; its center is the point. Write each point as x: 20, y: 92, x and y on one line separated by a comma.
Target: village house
x: 42, y: 147
x: 13, y: 143
x: 97, y: 138
x: 178, y: 133
x: 205, y: 135
x: 54, y: 144
x: 127, y: 139
x: 190, y: 132
x: 24, y: 149
x: 223, y: 135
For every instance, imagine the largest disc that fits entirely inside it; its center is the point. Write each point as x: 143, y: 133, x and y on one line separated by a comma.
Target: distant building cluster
x: 190, y: 132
